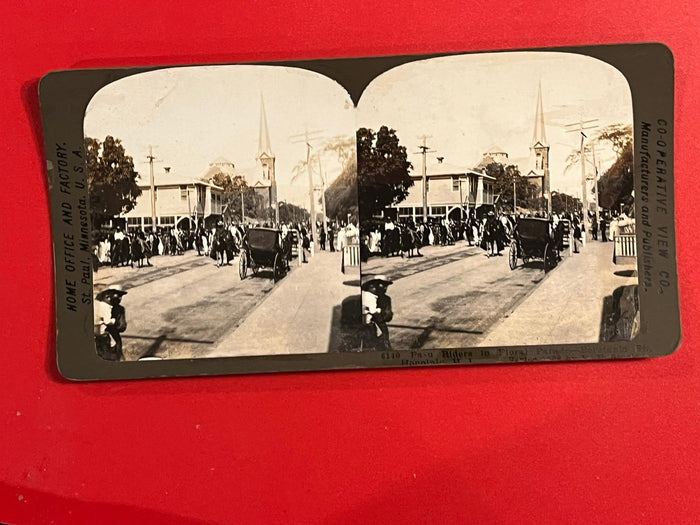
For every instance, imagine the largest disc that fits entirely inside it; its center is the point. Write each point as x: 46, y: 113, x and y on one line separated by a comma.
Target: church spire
x: 264, y: 134
x: 539, y: 135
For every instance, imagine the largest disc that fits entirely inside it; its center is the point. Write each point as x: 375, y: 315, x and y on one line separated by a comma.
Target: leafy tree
x: 112, y: 180
x: 565, y: 203
x: 341, y: 194
x: 291, y: 213
x: 383, y: 170
x: 615, y: 186
x: 527, y: 193
x: 236, y: 189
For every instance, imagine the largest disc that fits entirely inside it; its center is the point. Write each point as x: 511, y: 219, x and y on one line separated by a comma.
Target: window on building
x: 438, y: 210
x: 404, y: 212
x: 148, y: 221
x: 133, y: 224
x: 166, y: 221
x: 455, y: 183
x: 427, y: 184
x: 183, y: 192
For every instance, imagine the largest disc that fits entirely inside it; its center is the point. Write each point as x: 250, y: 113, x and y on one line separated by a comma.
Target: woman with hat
x: 376, y: 309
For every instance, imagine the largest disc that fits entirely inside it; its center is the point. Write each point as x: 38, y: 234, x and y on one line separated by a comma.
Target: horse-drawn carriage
x: 264, y: 248
x: 534, y: 238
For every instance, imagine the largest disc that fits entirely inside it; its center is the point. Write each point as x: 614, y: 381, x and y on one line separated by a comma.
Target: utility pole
x: 312, y: 204
x: 424, y: 149
x: 580, y: 127
x: 323, y: 194
x: 514, y: 197
x: 242, y: 207
x: 151, y: 158
x: 595, y: 185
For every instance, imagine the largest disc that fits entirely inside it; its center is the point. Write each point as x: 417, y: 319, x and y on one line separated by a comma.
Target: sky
x: 468, y: 103
x: 464, y: 103
x: 193, y: 115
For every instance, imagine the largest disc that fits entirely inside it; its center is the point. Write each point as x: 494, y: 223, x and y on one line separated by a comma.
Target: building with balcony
x: 180, y: 201
x: 452, y: 193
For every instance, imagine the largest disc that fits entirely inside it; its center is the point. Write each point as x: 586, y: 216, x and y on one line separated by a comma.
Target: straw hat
x: 367, y: 279
x: 111, y: 289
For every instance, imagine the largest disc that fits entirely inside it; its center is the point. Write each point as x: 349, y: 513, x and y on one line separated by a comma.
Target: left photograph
x: 223, y: 202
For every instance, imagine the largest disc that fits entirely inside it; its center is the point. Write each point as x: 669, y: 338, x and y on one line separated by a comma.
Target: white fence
x: 351, y: 256
x: 625, y: 248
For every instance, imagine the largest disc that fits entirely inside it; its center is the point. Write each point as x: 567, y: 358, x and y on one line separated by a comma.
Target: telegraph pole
x: 424, y: 149
x: 151, y: 158
x: 595, y: 184
x: 323, y: 195
x: 312, y: 205
x: 580, y: 127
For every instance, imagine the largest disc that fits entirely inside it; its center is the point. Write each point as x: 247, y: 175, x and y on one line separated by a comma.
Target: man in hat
x: 110, y: 322
x: 376, y: 309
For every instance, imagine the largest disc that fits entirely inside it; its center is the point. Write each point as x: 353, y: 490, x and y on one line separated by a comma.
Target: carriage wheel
x: 277, y: 268
x: 547, y: 258
x: 553, y: 253
x: 243, y: 265
x: 513, y: 255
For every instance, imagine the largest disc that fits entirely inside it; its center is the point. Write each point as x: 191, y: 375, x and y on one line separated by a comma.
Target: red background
x: 613, y: 442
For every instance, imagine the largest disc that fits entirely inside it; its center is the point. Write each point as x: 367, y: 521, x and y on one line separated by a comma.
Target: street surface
x: 453, y: 295
x: 183, y: 305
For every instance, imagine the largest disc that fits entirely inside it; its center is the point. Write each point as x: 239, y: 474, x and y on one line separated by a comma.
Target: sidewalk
x: 567, y: 307
x: 297, y: 316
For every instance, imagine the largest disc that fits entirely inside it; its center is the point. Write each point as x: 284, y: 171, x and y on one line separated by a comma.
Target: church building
x: 538, y: 171
x: 261, y: 176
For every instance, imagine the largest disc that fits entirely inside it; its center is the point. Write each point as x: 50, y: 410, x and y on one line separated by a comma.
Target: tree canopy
x: 112, y: 180
x: 291, y: 213
x: 341, y: 194
x: 615, y: 186
x: 383, y: 170
x: 236, y: 188
x: 527, y: 193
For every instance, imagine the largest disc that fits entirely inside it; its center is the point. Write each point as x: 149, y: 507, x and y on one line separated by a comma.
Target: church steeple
x: 266, y: 160
x: 539, y: 137
x: 540, y: 151
x: 264, y: 133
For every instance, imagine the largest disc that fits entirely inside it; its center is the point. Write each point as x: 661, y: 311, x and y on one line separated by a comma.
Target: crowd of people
x: 222, y: 242
x: 406, y: 238
x: 492, y: 232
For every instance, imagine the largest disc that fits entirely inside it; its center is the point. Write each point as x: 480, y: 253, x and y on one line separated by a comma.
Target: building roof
x: 448, y: 170
x: 445, y: 168
x: 172, y: 179
x: 495, y: 150
x: 220, y: 160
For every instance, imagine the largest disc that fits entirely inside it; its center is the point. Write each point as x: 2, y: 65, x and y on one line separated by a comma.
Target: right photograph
x: 496, y: 203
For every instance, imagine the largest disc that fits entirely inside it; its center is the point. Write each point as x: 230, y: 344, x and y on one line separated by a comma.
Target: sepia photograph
x: 399, y: 211
x: 465, y: 201
x: 222, y: 201
x: 496, y: 196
